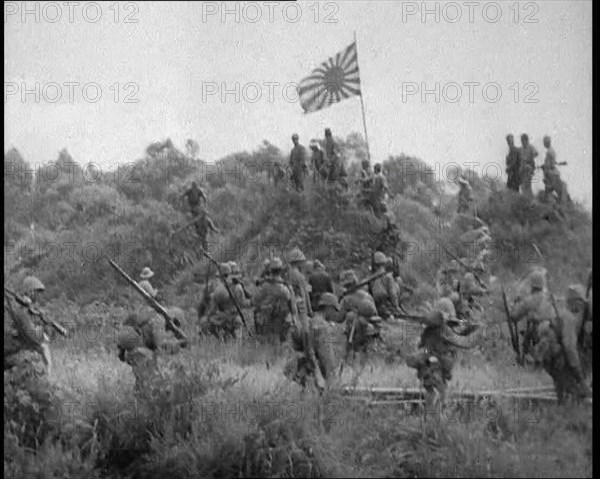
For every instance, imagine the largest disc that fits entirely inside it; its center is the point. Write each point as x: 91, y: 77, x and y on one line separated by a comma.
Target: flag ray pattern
x: 331, y: 82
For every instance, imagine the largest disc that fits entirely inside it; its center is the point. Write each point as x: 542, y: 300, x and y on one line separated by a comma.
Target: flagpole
x: 362, y: 105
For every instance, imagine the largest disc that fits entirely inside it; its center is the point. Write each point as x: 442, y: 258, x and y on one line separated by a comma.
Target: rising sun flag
x: 331, y: 82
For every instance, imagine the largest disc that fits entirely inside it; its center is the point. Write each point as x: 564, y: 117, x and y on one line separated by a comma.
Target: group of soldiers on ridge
x: 296, y: 303
x: 520, y: 168
x: 327, y: 164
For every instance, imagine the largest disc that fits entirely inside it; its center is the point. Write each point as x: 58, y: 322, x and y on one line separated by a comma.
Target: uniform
x: 320, y: 282
x: 194, y: 195
x: 223, y: 318
x: 465, y: 196
x: 358, y: 310
x: 527, y: 156
x: 435, y: 359
x: 25, y: 340
x: 513, y: 167
x: 273, y: 309
x: 298, y: 166
x: 379, y: 193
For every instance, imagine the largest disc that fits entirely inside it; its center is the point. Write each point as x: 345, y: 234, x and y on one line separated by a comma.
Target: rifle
x: 362, y: 283
x: 562, y: 163
x: 512, y: 328
x: 155, y: 305
x: 464, y: 265
x: 237, y: 307
x: 306, y: 344
x: 36, y: 312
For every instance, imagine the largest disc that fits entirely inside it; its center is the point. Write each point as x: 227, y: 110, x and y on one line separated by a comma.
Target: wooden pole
x: 362, y: 106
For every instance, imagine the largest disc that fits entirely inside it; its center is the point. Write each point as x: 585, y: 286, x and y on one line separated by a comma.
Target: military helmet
x: 446, y: 307
x: 235, y: 269
x: 380, y: 258
x: 538, y: 280
x: 276, y: 264
x: 296, y: 255
x: 329, y: 299
x: 317, y: 264
x: 348, y: 278
x: 295, y: 136
x: 266, y: 263
x: 147, y: 273
x: 225, y: 269
x: 31, y: 283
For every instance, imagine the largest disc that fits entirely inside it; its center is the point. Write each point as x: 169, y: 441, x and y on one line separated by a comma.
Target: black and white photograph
x: 300, y: 239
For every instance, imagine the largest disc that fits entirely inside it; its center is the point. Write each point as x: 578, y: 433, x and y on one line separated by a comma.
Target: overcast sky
x: 177, y: 53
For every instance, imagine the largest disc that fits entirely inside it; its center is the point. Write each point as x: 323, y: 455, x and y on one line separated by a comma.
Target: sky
x: 105, y: 80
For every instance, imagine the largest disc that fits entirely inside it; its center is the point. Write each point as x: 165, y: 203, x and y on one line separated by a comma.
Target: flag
x: 331, y: 82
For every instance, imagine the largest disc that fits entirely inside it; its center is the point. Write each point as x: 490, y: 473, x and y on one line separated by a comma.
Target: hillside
x: 60, y: 223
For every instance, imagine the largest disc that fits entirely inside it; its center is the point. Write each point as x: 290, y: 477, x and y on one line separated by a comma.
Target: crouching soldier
x: 142, y: 337
x: 435, y: 359
x: 324, y: 336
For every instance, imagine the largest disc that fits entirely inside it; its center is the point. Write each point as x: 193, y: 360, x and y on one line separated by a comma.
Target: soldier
x: 298, y: 163
x: 527, y: 154
x: 265, y: 272
x: 564, y: 340
x: 365, y: 181
x: 552, y: 180
x: 139, y: 341
x: 359, y: 313
x: 384, y: 289
x: 25, y: 341
x: 465, y: 196
x: 194, y: 195
x: 337, y: 171
x: 318, y: 162
x: 237, y: 278
x: 447, y: 282
x: 273, y: 306
x: 298, y: 283
x: 322, y: 340
x: 533, y: 308
x: 278, y: 174
x: 380, y: 191
x: 222, y: 316
x: 513, y: 165
x: 146, y: 274
x: 320, y: 283
x: 439, y: 340
x: 203, y: 226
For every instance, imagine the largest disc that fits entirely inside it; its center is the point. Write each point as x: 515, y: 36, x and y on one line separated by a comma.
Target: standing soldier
x: 439, y: 340
x: 358, y: 311
x: 552, y: 180
x: 513, y: 164
x: 222, y: 316
x: 321, y: 330
x: 465, y: 196
x: 298, y: 163
x: 274, y: 307
x: 337, y: 170
x: 203, y: 226
x: 318, y: 162
x: 384, y: 289
x: 380, y: 192
x: 320, y: 283
x: 527, y: 154
x: 365, y: 181
x: 298, y: 283
x: 24, y: 340
x: 194, y: 195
